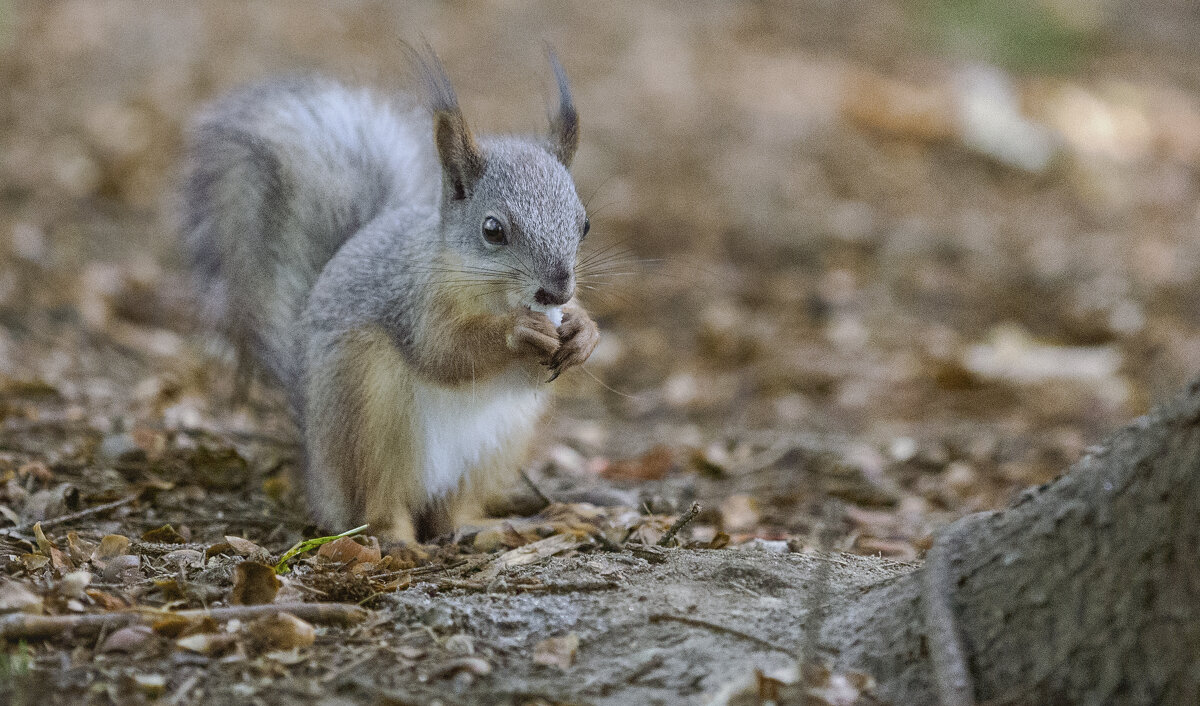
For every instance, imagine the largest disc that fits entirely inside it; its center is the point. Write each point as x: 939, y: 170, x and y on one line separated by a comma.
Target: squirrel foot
x: 533, y: 335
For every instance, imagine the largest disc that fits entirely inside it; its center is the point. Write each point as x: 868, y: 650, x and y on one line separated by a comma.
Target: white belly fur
x: 463, y: 430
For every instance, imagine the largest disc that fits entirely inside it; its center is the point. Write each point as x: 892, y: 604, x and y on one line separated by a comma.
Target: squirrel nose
x: 557, y: 292
x: 548, y: 298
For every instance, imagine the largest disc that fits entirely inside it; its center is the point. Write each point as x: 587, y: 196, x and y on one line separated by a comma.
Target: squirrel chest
x: 447, y: 433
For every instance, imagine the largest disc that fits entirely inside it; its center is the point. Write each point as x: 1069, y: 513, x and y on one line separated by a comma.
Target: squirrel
x: 406, y: 283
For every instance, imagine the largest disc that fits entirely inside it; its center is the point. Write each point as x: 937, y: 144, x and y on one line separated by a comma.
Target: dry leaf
x: 246, y: 548
x: 152, y: 685
x: 652, y: 465
x: 254, y: 584
x: 531, y: 553
x: 210, y: 644
x: 111, y: 545
x: 281, y: 631
x: 106, y: 601
x: 49, y: 549
x: 557, y: 651
x: 127, y: 639
x: 16, y: 598
x: 164, y: 535
x: 346, y: 550
x: 78, y: 549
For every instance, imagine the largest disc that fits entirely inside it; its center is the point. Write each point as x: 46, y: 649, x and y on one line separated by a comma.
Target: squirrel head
x: 509, y: 205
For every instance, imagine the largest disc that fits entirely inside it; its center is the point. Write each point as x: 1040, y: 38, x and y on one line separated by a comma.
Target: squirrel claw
x: 554, y: 375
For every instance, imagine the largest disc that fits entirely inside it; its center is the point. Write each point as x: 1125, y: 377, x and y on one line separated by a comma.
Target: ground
x: 888, y: 264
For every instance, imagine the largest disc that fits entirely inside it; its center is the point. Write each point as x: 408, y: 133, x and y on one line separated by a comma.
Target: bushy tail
x: 278, y: 176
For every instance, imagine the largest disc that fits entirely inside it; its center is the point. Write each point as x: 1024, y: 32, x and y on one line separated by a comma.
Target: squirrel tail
x: 278, y: 176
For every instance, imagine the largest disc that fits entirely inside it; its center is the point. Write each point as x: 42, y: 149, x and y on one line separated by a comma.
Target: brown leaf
x: 78, y: 549
x: 254, y: 584
x: 408, y: 556
x: 281, y: 631
x: 127, y: 639
x: 557, y: 651
x: 164, y: 535
x: 15, y: 597
x: 210, y: 644
x: 652, y: 465
x: 174, y: 626
x: 247, y: 548
x: 40, y: 472
x: 48, y: 548
x: 106, y: 601
x: 530, y: 553
x: 170, y: 588
x: 111, y: 545
x: 347, y: 550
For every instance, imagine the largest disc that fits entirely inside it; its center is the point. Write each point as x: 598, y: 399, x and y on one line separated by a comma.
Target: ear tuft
x: 460, y: 156
x: 564, y: 122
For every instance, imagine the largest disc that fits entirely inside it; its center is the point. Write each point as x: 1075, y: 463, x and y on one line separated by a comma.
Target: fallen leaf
x: 152, y: 685
x: 530, y: 553
x: 38, y: 470
x: 557, y: 651
x: 127, y: 639
x: 347, y: 550
x: 470, y: 665
x: 164, y: 535
x: 254, y: 584
x: 111, y: 545
x: 248, y: 549
x: 78, y: 549
x: 210, y: 644
x: 16, y: 598
x: 122, y: 569
x: 106, y: 601
x: 49, y: 549
x: 281, y: 631
x: 185, y: 557
x: 652, y: 465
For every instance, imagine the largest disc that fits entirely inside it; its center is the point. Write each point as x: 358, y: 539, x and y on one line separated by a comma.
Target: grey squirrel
x: 406, y: 283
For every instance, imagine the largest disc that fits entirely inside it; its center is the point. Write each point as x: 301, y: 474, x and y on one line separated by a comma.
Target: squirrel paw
x: 532, y: 334
x: 578, y: 337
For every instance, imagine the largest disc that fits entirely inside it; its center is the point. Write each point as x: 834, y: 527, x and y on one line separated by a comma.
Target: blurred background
x: 892, y: 261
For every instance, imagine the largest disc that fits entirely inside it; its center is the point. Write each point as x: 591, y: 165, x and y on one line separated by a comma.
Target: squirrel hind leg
x: 433, y: 520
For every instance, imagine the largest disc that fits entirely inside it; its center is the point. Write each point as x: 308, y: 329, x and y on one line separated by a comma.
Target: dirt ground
x: 880, y: 265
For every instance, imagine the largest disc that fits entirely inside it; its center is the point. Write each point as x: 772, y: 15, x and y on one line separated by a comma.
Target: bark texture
x: 1084, y: 591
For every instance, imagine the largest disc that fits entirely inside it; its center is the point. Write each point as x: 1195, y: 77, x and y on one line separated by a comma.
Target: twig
x: 62, y: 519
x: 696, y: 622
x: 184, y: 689
x: 685, y: 518
x: 557, y: 588
x: 31, y: 627
x: 546, y: 501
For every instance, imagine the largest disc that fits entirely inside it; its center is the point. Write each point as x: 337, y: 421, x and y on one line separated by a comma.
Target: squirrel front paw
x: 533, y: 335
x: 578, y: 337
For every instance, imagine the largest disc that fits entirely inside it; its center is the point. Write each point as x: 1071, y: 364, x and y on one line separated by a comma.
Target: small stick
x: 696, y: 622
x: 28, y: 627
x: 679, y: 524
x: 546, y: 501
x: 62, y: 519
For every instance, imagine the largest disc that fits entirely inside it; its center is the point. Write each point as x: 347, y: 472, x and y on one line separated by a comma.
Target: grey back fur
x: 281, y: 175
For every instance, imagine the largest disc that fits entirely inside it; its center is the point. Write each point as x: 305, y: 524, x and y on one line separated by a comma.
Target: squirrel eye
x: 587, y: 225
x: 493, y: 232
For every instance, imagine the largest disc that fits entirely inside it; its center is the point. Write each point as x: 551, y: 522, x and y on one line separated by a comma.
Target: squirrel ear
x: 564, y: 123
x: 462, y: 161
